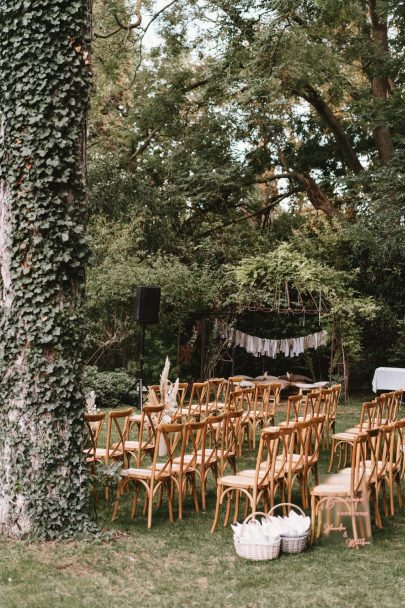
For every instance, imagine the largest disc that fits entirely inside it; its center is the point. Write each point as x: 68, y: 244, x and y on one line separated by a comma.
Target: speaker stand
x: 141, y: 359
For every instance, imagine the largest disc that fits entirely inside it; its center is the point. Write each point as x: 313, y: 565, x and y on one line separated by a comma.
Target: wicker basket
x: 292, y: 544
x: 255, y: 552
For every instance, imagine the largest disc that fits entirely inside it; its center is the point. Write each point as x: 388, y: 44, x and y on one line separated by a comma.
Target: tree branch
x: 274, y: 201
x: 313, y: 97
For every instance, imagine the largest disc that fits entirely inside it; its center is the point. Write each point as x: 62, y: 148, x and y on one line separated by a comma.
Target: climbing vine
x: 44, y: 86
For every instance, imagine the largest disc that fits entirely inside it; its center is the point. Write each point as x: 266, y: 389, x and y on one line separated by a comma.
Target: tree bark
x: 380, y: 83
x: 313, y: 97
x: 44, y: 80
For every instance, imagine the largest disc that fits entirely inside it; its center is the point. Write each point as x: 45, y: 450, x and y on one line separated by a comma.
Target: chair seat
x: 286, y: 424
x: 270, y: 429
x: 130, y: 446
x: 381, y: 468
x: 102, y: 453
x: 135, y: 418
x: 137, y: 473
x: 199, y: 461
x: 295, y: 458
x: 345, y: 436
x: 332, y: 489
x: 238, y: 481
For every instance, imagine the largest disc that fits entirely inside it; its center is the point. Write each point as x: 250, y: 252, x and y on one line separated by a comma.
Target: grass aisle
x: 184, y: 565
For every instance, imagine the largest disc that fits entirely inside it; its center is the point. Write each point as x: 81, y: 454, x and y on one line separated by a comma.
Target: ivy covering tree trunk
x: 44, y: 80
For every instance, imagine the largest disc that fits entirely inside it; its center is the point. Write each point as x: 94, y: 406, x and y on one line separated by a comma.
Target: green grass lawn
x: 184, y: 565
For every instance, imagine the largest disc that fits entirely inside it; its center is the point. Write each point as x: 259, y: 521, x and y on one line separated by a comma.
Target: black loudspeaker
x: 147, y: 304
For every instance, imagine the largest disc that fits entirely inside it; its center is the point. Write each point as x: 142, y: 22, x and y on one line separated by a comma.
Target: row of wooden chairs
x: 382, y: 410
x: 192, y: 451
x: 286, y: 454
x: 377, y: 464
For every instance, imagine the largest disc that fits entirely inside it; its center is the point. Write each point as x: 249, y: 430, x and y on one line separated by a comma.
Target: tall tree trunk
x: 44, y: 80
x: 380, y: 84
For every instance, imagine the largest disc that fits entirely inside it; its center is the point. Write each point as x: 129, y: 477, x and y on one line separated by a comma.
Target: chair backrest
x: 400, y: 451
x: 274, y: 397
x: 246, y: 402
x: 118, y: 425
x: 303, y: 432
x: 156, y: 389
x: 287, y: 437
x: 150, y: 420
x: 387, y: 451
x: 197, y: 398
x: 374, y: 442
x: 171, y: 436
x: 181, y: 395
x: 261, y: 401
x: 232, y: 426
x: 368, y: 415
x: 327, y: 397
x: 213, y: 438
x: 194, y: 438
x: 216, y: 393
x: 396, y: 401
x: 358, y: 476
x: 93, y: 424
x: 312, y: 404
x: 337, y: 389
x: 384, y: 402
x: 268, y: 452
x: 295, y: 408
x: 317, y: 424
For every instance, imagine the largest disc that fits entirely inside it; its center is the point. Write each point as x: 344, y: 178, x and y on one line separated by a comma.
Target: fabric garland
x: 263, y: 347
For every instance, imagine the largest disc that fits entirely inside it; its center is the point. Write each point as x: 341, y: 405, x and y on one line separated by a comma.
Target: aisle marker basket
x: 256, y: 552
x: 292, y: 544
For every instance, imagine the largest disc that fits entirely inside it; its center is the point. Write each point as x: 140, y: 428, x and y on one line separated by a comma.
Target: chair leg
x: 203, y: 479
x: 332, y: 455
x: 217, y: 507
x: 180, y: 492
x: 170, y: 500
x: 313, y: 518
x: 194, y: 492
x: 236, y: 511
x: 135, y: 501
x: 228, y: 508
x: 150, y: 505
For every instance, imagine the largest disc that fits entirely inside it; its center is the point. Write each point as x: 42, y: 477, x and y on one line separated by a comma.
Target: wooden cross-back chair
x: 395, y: 404
x: 117, y: 433
x: 93, y: 424
x: 197, y: 399
x: 274, y: 400
x: 295, y: 409
x: 295, y: 458
x: 246, y: 400
x: 340, y: 486
x: 260, y: 409
x: 311, y: 466
x: 146, y: 427
x: 342, y: 442
x: 216, y: 395
x: 328, y: 407
x: 399, y: 465
x: 230, y: 446
x: 253, y: 484
x: 156, y: 478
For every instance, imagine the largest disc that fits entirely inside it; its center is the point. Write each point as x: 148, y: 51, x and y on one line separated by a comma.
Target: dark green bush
x: 112, y: 389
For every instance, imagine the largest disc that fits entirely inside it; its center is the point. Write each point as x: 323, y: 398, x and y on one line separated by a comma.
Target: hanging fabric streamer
x: 263, y: 347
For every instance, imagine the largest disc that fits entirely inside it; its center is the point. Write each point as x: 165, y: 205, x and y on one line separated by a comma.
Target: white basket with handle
x: 255, y: 551
x: 292, y: 544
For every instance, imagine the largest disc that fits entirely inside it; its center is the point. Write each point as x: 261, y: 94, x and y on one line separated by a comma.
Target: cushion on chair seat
x: 135, y: 418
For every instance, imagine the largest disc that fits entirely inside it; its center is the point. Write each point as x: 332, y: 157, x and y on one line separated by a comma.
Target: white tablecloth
x: 389, y: 379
